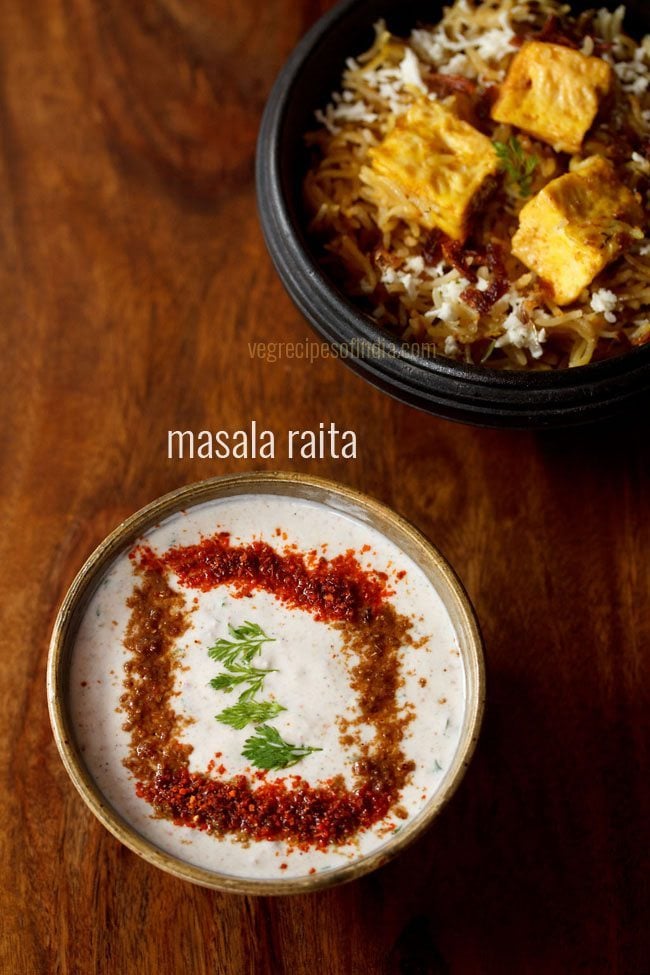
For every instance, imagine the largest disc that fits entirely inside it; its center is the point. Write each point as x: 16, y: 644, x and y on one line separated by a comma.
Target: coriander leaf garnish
x: 267, y: 749
x: 247, y: 642
x: 249, y: 712
x: 235, y: 675
x: 516, y: 163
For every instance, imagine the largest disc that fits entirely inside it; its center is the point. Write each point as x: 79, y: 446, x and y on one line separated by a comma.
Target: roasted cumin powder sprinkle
x: 338, y: 592
x: 158, y: 618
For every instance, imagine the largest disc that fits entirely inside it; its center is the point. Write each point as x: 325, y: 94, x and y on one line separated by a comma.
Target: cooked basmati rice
x: 390, y: 264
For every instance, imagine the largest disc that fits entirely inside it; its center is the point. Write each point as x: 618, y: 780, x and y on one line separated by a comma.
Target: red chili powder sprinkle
x: 305, y: 815
x: 330, y: 589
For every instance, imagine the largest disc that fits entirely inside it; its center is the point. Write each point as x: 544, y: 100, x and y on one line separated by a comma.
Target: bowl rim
x: 287, y: 241
x: 286, y: 484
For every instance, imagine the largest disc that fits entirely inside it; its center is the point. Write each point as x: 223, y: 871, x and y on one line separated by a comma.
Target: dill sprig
x: 268, y: 750
x: 517, y: 164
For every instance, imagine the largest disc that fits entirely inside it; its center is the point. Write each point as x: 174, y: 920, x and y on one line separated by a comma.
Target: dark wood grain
x: 132, y: 276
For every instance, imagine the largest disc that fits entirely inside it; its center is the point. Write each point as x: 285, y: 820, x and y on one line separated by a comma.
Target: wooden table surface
x: 132, y: 276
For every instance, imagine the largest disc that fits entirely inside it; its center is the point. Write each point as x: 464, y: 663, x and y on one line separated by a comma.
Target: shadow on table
x: 627, y: 430
x: 534, y: 866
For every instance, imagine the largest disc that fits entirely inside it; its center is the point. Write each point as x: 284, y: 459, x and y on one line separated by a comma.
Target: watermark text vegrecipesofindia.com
x: 358, y: 348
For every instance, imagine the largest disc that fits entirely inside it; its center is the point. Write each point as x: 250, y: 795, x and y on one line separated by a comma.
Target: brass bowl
x: 303, y: 487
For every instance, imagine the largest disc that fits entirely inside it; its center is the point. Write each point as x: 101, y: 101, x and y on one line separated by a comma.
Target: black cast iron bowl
x: 472, y: 394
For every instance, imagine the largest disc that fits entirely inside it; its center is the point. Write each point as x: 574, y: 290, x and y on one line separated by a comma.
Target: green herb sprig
x: 517, y: 164
x: 236, y: 675
x: 268, y: 750
x: 247, y: 642
x: 249, y: 712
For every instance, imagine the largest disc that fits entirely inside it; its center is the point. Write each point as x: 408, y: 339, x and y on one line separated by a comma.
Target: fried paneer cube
x: 553, y: 93
x: 573, y: 228
x: 431, y: 168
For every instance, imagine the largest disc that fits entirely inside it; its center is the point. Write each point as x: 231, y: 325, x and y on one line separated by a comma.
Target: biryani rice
x: 401, y: 274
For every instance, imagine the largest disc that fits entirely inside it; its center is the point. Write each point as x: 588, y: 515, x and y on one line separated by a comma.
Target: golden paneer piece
x: 576, y: 226
x: 553, y: 93
x: 430, y: 168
